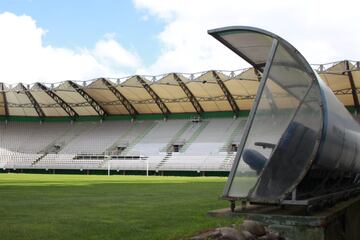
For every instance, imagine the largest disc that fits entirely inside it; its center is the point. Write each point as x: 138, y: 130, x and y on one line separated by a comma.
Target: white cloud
x: 110, y: 51
x: 25, y: 58
x: 323, y: 30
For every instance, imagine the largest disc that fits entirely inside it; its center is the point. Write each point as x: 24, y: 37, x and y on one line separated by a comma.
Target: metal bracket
x: 33, y: 101
x: 129, y: 107
x: 64, y: 105
x: 95, y: 105
x: 227, y: 93
x: 189, y: 94
x: 154, y: 96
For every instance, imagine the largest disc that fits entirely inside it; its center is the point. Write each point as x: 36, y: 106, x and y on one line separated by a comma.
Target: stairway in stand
x: 38, y: 159
x: 164, y: 160
x: 228, y: 161
x: 139, y: 138
x: 236, y: 132
x: 176, y: 137
x: 201, y: 127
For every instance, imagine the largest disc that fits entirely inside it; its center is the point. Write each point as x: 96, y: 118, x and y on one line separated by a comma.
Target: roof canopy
x: 210, y: 91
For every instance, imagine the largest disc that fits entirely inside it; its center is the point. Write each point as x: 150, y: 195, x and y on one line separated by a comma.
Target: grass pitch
x: 52, y: 207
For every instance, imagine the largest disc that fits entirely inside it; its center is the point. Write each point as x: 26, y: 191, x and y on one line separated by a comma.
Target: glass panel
x: 294, y: 150
x: 253, y: 45
x: 271, y: 130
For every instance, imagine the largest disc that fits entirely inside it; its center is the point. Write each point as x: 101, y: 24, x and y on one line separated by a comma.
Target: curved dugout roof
x: 299, y: 142
x: 210, y: 91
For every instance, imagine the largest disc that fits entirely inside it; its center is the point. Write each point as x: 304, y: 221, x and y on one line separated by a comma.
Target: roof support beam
x: 33, y: 101
x: 353, y: 87
x: 6, y: 107
x: 127, y: 104
x: 227, y: 93
x: 64, y: 105
x: 95, y: 105
x: 154, y: 96
x: 189, y: 94
x: 267, y: 92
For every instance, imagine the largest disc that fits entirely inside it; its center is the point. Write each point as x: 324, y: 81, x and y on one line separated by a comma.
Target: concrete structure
x: 338, y: 222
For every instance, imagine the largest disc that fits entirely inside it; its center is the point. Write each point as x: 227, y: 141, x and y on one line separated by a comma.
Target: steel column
x: 129, y: 107
x: 33, y: 101
x: 95, y: 105
x: 64, y: 105
x: 154, y: 96
x: 227, y: 93
x: 189, y: 94
x: 353, y: 87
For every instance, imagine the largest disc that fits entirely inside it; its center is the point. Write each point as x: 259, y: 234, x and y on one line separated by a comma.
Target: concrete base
x: 340, y: 222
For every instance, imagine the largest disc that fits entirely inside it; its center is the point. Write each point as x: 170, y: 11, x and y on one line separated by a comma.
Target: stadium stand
x: 172, y: 122
x: 93, y: 145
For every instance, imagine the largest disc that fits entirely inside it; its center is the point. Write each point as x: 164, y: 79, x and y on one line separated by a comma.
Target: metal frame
x: 189, y: 94
x: 348, y: 73
x: 353, y: 87
x: 333, y: 197
x: 345, y: 91
x: 6, y: 107
x: 250, y: 118
x: 159, y: 102
x: 267, y: 92
x: 64, y: 105
x: 94, y: 104
x: 124, y: 101
x: 33, y: 101
x: 226, y: 92
x: 117, y: 102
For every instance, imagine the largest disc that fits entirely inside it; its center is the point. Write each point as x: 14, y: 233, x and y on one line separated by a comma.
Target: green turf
x: 51, y: 207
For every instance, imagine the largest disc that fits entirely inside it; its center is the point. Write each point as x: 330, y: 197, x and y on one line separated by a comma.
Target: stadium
x: 172, y: 124
x: 281, y: 131
x: 158, y: 120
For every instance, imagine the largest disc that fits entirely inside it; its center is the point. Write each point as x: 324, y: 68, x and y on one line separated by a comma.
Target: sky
x: 52, y: 41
